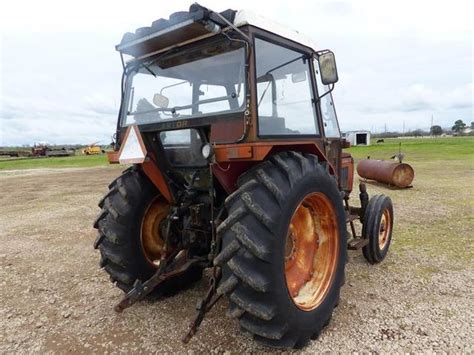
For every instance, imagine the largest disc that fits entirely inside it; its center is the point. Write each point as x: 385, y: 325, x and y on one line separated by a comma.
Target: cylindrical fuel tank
x: 388, y: 172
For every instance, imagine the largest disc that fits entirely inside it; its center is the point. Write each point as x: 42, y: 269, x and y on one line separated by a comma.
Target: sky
x: 401, y: 63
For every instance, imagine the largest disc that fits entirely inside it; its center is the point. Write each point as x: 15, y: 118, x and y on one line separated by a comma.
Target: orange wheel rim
x: 384, y: 229
x: 311, y: 251
x: 152, y: 242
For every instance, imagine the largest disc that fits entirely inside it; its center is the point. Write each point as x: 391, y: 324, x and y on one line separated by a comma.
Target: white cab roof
x: 248, y: 17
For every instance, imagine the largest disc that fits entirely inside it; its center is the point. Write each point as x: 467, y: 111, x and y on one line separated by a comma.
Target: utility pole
x: 403, y: 127
x: 431, y: 133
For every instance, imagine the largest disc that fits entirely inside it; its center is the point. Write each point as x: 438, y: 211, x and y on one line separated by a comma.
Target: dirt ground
x: 54, y: 297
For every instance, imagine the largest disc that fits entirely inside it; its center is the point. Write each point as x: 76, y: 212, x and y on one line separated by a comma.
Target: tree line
x: 459, y: 128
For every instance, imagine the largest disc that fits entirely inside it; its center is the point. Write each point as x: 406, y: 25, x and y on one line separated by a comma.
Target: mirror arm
x: 327, y: 92
x: 122, y: 60
x: 172, y: 85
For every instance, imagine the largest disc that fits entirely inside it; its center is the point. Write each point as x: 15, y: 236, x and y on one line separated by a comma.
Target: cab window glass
x: 328, y: 113
x: 183, y: 147
x: 216, y: 94
x: 284, y: 91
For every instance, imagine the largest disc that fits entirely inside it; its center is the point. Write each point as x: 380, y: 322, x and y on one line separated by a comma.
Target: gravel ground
x: 55, y: 298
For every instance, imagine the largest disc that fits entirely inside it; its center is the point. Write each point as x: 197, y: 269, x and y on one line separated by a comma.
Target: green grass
x: 416, y: 149
x: 78, y: 161
x: 434, y: 218
x: 419, y: 149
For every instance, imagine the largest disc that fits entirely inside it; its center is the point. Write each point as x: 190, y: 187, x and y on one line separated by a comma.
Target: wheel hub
x: 384, y: 229
x: 290, y: 246
x: 151, y: 239
x: 311, y: 251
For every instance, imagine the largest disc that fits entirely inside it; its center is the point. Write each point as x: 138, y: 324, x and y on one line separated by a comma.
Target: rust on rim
x: 150, y: 235
x: 311, y: 251
x: 384, y: 229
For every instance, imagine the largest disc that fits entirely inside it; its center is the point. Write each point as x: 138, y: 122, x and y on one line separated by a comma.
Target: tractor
x: 236, y: 166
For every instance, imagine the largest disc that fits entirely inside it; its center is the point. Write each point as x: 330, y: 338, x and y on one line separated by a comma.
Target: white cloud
x: 399, y: 61
x: 419, y: 97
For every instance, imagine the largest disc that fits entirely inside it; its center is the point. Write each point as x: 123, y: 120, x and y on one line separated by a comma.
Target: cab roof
x: 248, y: 17
x: 187, y: 26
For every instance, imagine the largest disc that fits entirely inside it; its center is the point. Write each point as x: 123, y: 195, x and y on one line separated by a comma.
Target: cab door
x: 332, y: 134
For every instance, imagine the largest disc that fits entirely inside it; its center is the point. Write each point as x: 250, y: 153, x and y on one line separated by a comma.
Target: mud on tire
x: 253, y: 249
x: 119, y: 225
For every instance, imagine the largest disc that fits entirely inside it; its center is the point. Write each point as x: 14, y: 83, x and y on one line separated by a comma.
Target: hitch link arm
x: 204, y: 305
x: 141, y: 290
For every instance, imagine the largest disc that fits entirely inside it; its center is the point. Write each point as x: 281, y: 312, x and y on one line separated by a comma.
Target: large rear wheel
x: 283, y: 252
x: 130, y: 227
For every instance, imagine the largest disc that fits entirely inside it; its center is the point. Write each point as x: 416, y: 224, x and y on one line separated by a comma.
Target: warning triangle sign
x: 133, y: 149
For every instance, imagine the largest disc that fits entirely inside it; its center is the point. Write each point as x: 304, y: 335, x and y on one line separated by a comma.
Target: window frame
x: 318, y: 104
x: 179, y: 123
x: 288, y: 44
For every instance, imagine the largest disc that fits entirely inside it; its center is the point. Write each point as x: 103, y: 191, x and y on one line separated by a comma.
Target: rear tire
x: 119, y: 226
x: 254, y: 242
x: 377, y: 227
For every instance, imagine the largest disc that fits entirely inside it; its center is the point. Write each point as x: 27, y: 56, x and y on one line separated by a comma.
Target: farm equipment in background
x: 93, y: 149
x: 15, y: 153
x: 43, y: 150
x: 229, y: 122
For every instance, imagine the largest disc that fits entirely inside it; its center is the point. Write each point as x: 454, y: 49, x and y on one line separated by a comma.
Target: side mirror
x: 327, y: 68
x: 161, y: 101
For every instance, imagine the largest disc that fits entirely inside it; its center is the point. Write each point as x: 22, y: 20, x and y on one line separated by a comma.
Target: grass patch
x: 419, y: 149
x: 434, y: 218
x: 416, y: 150
x: 76, y: 161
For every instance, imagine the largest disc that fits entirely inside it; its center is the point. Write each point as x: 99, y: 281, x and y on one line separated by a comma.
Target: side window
x: 284, y: 93
x: 331, y: 126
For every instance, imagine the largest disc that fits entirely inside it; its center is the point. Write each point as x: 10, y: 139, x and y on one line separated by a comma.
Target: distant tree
x: 436, y: 130
x: 458, y: 127
x: 387, y: 135
x: 472, y: 125
x: 418, y: 133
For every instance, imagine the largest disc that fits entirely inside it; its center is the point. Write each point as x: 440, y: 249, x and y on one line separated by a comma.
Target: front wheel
x: 283, y: 252
x: 377, y: 228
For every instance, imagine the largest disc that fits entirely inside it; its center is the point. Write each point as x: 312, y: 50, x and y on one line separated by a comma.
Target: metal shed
x: 358, y: 137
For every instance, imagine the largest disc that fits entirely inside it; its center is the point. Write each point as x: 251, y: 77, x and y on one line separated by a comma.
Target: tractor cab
x: 224, y: 79
x: 236, y: 166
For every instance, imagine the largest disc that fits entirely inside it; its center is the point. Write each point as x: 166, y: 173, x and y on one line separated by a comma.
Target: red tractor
x: 237, y: 166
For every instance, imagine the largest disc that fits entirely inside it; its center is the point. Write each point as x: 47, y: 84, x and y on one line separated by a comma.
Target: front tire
x: 377, y: 227
x: 125, y: 254
x: 279, y: 309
